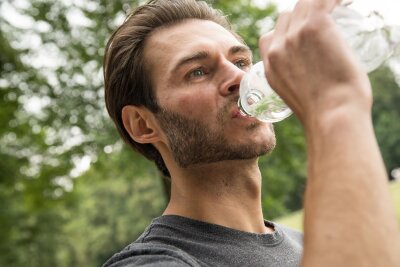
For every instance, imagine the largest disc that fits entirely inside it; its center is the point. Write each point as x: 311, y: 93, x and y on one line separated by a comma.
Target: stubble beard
x: 193, y: 142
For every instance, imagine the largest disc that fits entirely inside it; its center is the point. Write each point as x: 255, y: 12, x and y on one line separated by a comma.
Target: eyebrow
x: 191, y: 58
x: 239, y: 49
x: 204, y: 54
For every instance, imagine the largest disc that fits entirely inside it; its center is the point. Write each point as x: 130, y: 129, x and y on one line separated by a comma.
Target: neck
x: 224, y: 193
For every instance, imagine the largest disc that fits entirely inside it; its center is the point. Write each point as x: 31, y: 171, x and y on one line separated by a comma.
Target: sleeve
x: 151, y: 255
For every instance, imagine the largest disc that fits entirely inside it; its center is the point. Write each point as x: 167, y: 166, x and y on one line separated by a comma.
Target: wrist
x: 337, y: 126
x: 339, y: 107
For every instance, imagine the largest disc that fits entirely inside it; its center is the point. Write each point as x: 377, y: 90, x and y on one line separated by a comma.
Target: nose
x: 231, y: 75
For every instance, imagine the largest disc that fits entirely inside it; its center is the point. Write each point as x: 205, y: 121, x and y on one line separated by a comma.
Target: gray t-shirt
x: 172, y: 240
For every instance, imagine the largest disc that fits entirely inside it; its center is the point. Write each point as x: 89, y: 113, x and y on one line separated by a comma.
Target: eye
x: 242, y: 63
x: 197, y: 73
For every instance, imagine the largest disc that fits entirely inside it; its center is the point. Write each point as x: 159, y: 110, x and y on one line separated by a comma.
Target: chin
x: 262, y: 129
x: 266, y: 139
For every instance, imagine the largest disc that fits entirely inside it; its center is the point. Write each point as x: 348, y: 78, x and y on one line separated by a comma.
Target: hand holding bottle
x: 312, y: 67
x: 371, y: 41
x: 309, y: 63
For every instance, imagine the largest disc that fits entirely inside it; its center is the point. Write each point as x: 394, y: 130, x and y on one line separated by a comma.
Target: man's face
x: 196, y: 67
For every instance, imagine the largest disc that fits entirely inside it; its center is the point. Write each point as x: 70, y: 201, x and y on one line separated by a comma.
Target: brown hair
x: 126, y: 81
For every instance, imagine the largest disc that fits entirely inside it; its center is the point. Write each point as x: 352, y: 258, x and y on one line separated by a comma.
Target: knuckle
x: 291, y: 40
x: 308, y: 30
x: 315, y: 25
x: 275, y: 54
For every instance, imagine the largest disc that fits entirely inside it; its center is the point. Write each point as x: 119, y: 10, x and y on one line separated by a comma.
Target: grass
x: 295, y: 219
x: 395, y: 192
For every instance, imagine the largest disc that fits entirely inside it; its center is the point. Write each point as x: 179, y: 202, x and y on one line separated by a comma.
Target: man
x: 172, y: 73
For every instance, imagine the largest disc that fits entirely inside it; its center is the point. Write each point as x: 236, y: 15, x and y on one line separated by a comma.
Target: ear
x: 139, y: 123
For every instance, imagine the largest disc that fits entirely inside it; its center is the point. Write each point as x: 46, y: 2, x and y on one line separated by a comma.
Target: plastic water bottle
x: 371, y: 40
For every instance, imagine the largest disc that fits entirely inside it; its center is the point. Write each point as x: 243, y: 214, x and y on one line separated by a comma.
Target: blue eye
x: 198, y: 73
x: 241, y: 64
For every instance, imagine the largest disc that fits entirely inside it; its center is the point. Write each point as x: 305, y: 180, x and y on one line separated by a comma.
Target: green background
x: 54, y: 212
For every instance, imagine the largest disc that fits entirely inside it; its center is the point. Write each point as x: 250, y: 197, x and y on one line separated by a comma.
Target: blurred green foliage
x: 53, y: 122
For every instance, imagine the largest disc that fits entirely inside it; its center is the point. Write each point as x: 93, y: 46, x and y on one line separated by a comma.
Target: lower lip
x: 236, y: 114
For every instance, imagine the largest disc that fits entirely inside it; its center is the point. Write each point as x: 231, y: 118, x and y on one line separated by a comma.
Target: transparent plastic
x: 371, y: 40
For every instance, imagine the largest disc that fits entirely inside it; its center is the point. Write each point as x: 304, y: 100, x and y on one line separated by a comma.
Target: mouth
x: 237, y: 114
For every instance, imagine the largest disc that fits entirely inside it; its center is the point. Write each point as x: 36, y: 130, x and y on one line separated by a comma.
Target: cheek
x: 195, y: 105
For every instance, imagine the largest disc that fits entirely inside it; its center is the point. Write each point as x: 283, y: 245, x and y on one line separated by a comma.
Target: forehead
x: 187, y: 34
x: 168, y: 44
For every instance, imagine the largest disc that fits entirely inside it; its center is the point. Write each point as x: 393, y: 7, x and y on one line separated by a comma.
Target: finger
x: 281, y: 29
x: 282, y: 24
x: 275, y: 38
x: 300, y: 12
x: 264, y: 43
x: 325, y: 5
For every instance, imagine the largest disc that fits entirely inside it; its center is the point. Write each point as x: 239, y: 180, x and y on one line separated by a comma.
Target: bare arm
x: 349, y: 218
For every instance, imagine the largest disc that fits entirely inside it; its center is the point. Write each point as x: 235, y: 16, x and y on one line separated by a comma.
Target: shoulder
x: 150, y: 254
x: 291, y: 233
